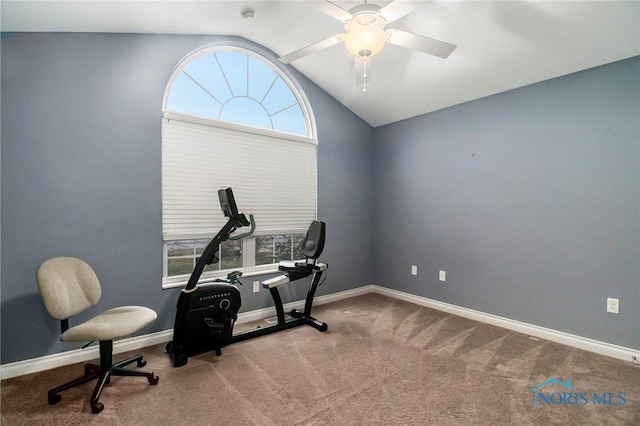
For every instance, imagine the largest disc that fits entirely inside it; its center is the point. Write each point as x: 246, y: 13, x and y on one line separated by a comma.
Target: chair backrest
x: 313, y: 242
x: 68, y: 286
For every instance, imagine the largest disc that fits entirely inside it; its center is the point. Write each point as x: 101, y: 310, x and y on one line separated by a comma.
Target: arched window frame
x: 283, y: 240
x: 260, y: 55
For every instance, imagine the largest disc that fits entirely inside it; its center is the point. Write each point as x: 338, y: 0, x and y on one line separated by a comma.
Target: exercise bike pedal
x: 211, y: 323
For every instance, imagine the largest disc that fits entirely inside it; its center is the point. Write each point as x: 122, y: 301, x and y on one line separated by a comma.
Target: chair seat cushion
x: 112, y: 324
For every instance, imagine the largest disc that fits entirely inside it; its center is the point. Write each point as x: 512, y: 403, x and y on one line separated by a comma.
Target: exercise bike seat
x: 312, y: 247
x: 299, y: 269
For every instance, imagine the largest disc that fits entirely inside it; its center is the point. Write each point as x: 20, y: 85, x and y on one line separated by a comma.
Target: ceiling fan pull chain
x: 364, y: 77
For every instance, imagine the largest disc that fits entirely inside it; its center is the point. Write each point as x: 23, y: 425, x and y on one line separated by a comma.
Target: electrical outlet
x: 443, y: 275
x: 613, y: 305
x: 256, y: 286
x: 414, y: 270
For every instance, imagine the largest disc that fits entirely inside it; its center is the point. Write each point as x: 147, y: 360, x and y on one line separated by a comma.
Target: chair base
x: 102, y: 373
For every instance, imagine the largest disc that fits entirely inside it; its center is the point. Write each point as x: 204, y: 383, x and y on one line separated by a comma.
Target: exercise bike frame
x: 185, y: 344
x: 298, y: 318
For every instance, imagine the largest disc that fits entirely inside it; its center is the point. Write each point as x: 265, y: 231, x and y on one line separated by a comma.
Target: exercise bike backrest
x: 235, y: 220
x: 313, y: 242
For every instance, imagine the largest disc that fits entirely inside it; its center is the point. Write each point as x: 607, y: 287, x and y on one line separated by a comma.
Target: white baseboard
x: 47, y: 362
x: 602, y: 348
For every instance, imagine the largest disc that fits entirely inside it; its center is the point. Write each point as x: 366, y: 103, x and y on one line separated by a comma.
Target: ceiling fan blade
x: 428, y: 45
x: 335, y: 11
x: 398, y: 8
x: 311, y: 48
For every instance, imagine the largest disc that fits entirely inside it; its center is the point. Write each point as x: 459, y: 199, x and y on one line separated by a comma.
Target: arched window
x: 233, y: 117
x: 238, y: 87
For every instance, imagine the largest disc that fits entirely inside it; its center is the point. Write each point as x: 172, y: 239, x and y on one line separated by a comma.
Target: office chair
x: 69, y: 286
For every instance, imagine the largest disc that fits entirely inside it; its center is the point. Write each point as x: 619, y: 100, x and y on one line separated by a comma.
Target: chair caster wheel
x: 97, y: 407
x: 142, y: 363
x: 54, y: 399
x: 154, y: 380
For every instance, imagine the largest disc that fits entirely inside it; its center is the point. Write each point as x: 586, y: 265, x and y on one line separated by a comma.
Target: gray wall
x: 530, y: 200
x: 81, y: 171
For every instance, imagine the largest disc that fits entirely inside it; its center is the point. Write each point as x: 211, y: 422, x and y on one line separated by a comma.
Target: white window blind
x: 273, y: 177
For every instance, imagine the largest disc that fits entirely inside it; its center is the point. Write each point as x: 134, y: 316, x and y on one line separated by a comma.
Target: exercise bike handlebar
x: 251, y: 222
x: 236, y: 220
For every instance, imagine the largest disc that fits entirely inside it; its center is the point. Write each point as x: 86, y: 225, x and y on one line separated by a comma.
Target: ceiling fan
x: 365, y: 33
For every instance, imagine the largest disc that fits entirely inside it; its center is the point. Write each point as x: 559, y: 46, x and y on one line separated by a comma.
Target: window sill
x: 168, y: 284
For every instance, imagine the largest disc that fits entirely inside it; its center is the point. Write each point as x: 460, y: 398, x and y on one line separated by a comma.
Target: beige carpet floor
x: 382, y: 362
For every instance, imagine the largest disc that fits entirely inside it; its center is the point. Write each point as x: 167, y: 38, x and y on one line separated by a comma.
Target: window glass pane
x: 179, y: 266
x: 180, y: 258
x: 261, y: 77
x: 246, y: 111
x: 282, y: 247
x: 234, y: 67
x: 200, y: 245
x: 188, y: 98
x: 279, y: 97
x: 290, y: 120
x: 297, y: 246
x: 180, y: 248
x: 231, y: 255
x: 278, y: 247
x: 264, y: 250
x: 206, y: 71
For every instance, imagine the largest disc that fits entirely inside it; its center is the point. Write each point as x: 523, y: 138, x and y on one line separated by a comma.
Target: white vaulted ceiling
x: 502, y: 45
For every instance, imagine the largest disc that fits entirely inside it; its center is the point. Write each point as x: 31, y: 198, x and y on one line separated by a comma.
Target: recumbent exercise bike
x: 207, y: 312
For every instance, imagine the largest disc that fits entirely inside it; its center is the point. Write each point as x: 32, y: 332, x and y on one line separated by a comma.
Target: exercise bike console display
x: 207, y: 312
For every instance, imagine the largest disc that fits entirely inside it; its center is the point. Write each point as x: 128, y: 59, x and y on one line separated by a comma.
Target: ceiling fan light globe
x: 364, y: 41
